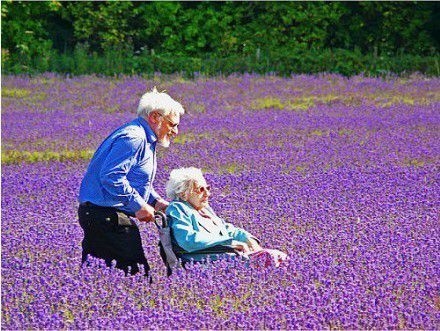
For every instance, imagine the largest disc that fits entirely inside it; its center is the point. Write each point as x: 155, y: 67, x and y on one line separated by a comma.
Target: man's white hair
x: 179, y: 184
x: 160, y: 102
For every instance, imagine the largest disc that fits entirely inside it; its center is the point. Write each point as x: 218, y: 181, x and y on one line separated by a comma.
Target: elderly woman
x: 198, y: 232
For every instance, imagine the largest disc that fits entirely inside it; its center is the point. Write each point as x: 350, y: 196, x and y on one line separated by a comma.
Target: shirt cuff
x: 152, y: 201
x: 153, y: 198
x: 136, y: 204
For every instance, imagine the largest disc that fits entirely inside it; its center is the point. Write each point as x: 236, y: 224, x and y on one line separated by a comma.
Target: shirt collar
x: 190, y: 205
x: 151, y: 136
x: 186, y: 203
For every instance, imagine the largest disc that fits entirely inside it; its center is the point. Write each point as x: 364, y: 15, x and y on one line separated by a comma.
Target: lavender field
x: 340, y: 173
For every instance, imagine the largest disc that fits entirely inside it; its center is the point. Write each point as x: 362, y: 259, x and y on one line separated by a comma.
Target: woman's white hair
x: 160, y: 102
x: 179, y: 184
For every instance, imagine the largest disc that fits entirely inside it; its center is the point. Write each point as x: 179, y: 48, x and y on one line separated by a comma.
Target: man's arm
x: 156, y: 201
x: 114, y: 172
x: 145, y: 214
x: 161, y: 204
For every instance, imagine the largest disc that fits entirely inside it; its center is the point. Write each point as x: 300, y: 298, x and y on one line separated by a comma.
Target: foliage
x: 144, y: 37
x: 118, y: 61
x: 25, y: 37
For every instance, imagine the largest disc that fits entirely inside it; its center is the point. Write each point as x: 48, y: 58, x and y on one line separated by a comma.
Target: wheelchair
x: 173, y: 255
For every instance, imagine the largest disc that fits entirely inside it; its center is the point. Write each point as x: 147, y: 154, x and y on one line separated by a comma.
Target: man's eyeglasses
x: 202, y: 189
x: 171, y: 123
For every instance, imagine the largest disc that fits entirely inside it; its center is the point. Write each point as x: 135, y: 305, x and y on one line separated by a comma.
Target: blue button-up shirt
x: 122, y: 170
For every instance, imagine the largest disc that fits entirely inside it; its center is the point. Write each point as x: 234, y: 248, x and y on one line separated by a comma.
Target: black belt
x: 89, y: 204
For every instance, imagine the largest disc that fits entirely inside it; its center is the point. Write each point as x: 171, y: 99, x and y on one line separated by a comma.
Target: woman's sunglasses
x: 202, y: 189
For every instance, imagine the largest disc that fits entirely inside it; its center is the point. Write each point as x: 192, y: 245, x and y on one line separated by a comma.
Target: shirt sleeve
x: 234, y: 232
x: 237, y: 233
x: 186, y: 236
x: 154, y: 196
x: 113, y: 175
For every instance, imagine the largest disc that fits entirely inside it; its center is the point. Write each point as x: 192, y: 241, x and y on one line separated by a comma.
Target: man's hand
x: 161, y: 205
x: 145, y: 214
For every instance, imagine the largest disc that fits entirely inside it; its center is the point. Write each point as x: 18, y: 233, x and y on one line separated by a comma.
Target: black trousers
x: 110, y: 234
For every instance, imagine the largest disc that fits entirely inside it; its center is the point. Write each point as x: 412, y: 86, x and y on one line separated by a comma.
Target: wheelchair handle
x: 160, y: 219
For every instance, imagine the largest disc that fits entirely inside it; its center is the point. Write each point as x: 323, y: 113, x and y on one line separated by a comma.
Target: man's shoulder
x: 134, y: 128
x: 132, y: 131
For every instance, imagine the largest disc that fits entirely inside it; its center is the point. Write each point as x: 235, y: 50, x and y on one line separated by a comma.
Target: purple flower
x: 340, y: 173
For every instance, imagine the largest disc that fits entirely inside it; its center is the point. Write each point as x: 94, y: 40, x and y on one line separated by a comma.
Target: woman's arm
x: 238, y: 234
x: 186, y: 236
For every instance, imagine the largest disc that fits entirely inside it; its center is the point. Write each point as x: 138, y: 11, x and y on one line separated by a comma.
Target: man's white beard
x: 165, y: 142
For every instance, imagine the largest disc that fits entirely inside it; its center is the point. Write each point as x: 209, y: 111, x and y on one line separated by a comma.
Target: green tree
x: 102, y: 25
x: 25, y: 35
x: 384, y: 27
x: 147, y: 36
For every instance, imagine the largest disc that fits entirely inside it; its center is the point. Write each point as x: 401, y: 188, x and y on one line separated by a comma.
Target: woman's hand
x: 240, y: 246
x: 253, y: 245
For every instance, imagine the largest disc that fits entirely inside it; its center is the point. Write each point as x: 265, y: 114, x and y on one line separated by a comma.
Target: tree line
x: 210, y: 37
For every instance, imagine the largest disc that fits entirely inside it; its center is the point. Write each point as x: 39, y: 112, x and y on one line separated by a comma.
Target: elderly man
x: 118, y: 184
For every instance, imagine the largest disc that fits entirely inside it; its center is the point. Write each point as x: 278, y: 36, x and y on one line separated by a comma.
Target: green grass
x: 15, y: 157
x: 16, y: 93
